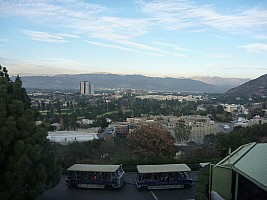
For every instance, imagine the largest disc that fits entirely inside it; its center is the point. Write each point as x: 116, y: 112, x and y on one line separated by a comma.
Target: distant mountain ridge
x: 215, y: 80
x: 71, y: 82
x: 253, y: 87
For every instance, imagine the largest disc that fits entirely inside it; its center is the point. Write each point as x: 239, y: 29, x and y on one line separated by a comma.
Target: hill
x: 114, y: 81
x: 254, y: 87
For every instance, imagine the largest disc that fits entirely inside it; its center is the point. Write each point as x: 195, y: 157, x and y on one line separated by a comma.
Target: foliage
x: 202, y: 188
x: 27, y: 166
x: 201, y: 152
x: 130, y: 164
x: 218, y: 113
x: 209, y: 139
x: 240, y: 136
x: 73, y: 107
x: 80, y: 152
x: 182, y: 132
x: 232, y: 140
x: 151, y: 140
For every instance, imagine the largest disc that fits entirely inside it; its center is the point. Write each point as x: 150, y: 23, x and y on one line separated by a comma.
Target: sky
x: 164, y: 38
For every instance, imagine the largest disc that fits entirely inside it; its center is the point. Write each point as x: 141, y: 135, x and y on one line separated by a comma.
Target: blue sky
x: 174, y: 38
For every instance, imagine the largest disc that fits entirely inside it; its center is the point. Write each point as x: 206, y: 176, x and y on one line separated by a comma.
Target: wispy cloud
x: 176, y: 47
x: 256, y: 47
x: 3, y: 41
x: 179, y: 55
x: 140, y: 46
x: 197, y: 31
x: 220, y: 37
x: 68, y: 35
x: 40, y: 66
x: 218, y: 55
x: 89, y: 19
x: 262, y: 37
x: 47, y: 37
x: 131, y: 44
x: 107, y: 45
x: 179, y: 14
x: 100, y: 22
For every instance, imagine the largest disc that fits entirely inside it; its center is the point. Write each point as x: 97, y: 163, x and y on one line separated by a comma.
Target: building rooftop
x: 163, y: 168
x: 94, y: 168
x: 236, y: 155
x: 250, y: 161
x: 253, y: 165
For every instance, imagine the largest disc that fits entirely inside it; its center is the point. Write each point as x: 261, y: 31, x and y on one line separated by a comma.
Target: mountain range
x: 215, y: 80
x: 251, y: 88
x: 115, y: 81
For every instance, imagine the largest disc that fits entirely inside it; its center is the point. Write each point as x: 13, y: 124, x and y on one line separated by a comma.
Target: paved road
x: 128, y: 192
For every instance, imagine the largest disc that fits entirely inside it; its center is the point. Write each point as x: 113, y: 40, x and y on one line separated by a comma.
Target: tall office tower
x: 92, y: 89
x: 85, y: 88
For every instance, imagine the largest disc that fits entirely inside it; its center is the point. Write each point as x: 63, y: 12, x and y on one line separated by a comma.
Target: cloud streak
x: 89, y: 19
x: 47, y: 37
x: 176, y: 47
x: 180, y: 14
x: 195, y: 25
x: 39, y: 66
x: 219, y: 56
x: 108, y: 45
x: 95, y: 20
x: 260, y: 48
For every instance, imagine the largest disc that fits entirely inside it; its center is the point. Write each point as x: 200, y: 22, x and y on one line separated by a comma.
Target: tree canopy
x: 182, y: 132
x: 240, y: 136
x: 151, y: 140
x: 27, y: 165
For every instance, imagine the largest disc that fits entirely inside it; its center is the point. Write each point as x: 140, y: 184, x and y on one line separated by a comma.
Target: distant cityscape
x: 133, y: 100
x: 141, y: 126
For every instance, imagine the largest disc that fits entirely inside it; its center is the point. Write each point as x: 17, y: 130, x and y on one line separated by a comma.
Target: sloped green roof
x: 253, y: 165
x: 236, y: 155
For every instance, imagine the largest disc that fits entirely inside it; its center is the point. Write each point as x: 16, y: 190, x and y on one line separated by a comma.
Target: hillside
x: 254, y: 87
x: 102, y: 81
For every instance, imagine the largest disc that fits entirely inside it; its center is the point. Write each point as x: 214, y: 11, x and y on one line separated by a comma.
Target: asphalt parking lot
x: 128, y: 192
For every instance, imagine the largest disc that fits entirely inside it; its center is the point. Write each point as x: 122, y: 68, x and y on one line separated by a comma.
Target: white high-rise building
x: 84, y: 88
x: 92, y: 89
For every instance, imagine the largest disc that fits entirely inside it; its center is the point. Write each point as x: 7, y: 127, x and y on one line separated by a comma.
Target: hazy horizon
x: 180, y: 77
x: 172, y: 38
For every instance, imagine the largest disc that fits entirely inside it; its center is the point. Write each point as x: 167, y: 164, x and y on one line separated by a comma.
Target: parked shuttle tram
x: 167, y: 176
x: 95, y: 176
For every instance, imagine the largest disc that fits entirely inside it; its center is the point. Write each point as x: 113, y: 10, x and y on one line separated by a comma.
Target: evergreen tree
x: 27, y: 166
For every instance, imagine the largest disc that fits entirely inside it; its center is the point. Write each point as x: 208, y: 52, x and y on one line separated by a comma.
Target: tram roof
x: 94, y: 168
x: 143, y: 169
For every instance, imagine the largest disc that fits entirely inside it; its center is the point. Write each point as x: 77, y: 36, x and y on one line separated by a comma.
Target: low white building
x: 246, y: 123
x: 87, y: 121
x: 65, y: 137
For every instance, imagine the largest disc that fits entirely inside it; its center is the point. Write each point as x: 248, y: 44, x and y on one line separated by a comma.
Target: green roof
x: 250, y: 161
x: 253, y: 165
x: 94, y: 168
x: 163, y: 168
x: 236, y: 155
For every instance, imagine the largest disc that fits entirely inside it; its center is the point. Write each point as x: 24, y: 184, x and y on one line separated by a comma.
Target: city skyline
x: 172, y: 38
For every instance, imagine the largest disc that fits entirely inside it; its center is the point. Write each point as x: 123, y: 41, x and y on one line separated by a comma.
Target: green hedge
x: 202, y: 188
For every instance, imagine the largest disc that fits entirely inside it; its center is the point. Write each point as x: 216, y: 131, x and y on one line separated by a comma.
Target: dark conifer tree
x: 26, y: 164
